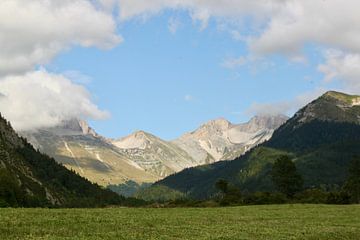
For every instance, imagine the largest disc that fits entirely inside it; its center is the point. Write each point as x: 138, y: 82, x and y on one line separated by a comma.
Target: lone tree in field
x: 352, y: 185
x: 285, y: 176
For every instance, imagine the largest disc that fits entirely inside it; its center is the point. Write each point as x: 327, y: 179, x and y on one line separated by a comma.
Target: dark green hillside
x: 313, y: 135
x: 250, y: 172
x: 29, y: 178
x: 321, y: 139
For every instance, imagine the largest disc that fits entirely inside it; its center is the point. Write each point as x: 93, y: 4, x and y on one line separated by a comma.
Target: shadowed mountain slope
x: 29, y: 178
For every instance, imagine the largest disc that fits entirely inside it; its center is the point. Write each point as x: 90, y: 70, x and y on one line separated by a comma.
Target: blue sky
x: 168, y: 66
x: 170, y: 83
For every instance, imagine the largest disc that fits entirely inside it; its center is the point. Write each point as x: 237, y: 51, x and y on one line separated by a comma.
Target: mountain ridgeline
x: 29, y: 178
x: 134, y: 161
x: 321, y: 139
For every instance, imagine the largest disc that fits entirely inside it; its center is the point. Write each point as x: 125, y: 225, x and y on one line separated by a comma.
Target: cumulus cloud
x: 107, y: 5
x: 344, y: 67
x: 300, y: 22
x: 32, y: 32
x: 40, y: 99
x: 283, y: 26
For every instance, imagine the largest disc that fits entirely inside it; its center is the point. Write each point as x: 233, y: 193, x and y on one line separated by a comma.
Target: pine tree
x: 285, y: 176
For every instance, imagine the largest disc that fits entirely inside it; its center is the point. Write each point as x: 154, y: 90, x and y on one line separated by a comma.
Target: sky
x: 167, y: 66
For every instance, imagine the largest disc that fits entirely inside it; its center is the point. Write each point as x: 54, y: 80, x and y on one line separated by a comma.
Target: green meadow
x: 245, y: 222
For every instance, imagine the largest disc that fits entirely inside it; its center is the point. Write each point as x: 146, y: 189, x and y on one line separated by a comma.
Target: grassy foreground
x: 249, y: 222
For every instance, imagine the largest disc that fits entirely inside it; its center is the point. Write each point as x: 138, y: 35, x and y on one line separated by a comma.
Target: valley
x: 180, y: 119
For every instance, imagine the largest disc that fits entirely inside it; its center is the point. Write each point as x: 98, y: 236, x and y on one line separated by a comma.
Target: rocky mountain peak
x: 141, y: 134
x: 213, y: 127
x: 331, y: 106
x: 86, y: 129
x: 73, y: 127
x: 220, y: 122
x: 267, y: 121
x: 340, y: 96
x: 346, y: 99
x: 136, y: 140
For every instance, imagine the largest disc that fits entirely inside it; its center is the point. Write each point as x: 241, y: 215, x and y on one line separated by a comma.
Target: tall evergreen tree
x: 285, y: 176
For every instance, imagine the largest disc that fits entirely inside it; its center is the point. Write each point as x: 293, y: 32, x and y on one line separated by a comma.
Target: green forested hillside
x: 29, y: 178
x: 321, y: 139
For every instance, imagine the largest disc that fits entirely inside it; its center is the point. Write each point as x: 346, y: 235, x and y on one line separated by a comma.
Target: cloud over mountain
x: 41, y: 99
x: 32, y: 33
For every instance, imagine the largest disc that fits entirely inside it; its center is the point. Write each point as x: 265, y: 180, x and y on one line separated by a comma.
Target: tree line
x: 289, y: 185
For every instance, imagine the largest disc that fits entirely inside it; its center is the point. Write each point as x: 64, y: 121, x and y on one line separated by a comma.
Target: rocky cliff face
x: 153, y: 154
x: 222, y: 140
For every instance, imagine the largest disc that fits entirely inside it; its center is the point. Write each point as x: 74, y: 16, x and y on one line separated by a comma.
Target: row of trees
x: 289, y: 185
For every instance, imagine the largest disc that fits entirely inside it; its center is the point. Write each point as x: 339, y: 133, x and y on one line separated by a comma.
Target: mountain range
x: 321, y: 139
x: 144, y: 158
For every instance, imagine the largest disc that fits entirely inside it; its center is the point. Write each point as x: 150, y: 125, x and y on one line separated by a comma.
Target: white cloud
x: 107, y: 5
x: 32, y: 32
x: 343, y: 67
x: 283, y: 26
x: 332, y: 23
x: 287, y: 107
x: 40, y: 99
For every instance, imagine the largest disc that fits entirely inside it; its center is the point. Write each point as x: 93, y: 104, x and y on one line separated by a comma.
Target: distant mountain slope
x: 322, y: 138
x: 78, y: 147
x: 153, y: 154
x: 221, y: 140
x: 29, y: 178
x: 142, y: 157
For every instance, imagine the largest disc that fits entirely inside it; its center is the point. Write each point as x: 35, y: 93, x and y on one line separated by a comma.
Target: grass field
x: 249, y: 222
